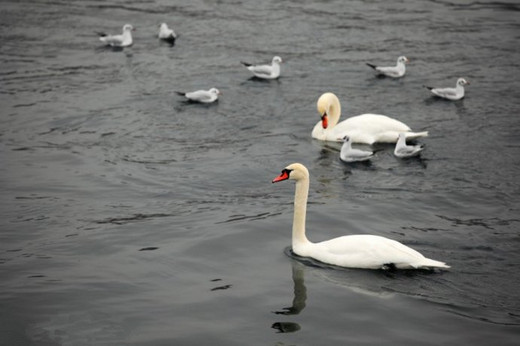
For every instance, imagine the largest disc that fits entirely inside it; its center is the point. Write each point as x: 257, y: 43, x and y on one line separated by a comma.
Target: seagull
x: 348, y: 154
x: 123, y: 40
x: 453, y: 94
x: 266, y: 71
x: 202, y: 96
x: 402, y: 150
x: 166, y: 34
x: 392, y: 71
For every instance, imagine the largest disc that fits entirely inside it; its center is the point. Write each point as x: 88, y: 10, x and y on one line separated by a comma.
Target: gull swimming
x: 266, y: 71
x: 352, y: 251
x: 123, y: 40
x: 392, y: 71
x: 349, y: 154
x: 402, y: 150
x: 166, y: 34
x: 202, y: 96
x: 453, y: 94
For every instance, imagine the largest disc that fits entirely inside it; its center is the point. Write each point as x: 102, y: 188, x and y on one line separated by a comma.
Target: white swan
x: 403, y: 150
x: 392, y: 71
x: 364, y: 128
x: 352, y: 251
x: 453, y: 94
x: 123, y: 40
x: 266, y: 71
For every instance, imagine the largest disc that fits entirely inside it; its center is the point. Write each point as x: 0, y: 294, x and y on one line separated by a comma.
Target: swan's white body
x: 403, y: 150
x: 165, y: 33
x: 364, y: 128
x: 202, y: 96
x: 452, y: 94
x: 392, y: 71
x: 123, y: 40
x: 266, y: 71
x: 353, y: 251
x: 349, y: 154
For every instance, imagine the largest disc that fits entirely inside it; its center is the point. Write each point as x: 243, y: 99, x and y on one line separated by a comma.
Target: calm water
x: 129, y: 217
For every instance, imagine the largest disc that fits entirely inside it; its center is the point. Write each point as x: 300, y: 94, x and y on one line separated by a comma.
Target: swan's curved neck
x: 334, y: 111
x: 300, y: 212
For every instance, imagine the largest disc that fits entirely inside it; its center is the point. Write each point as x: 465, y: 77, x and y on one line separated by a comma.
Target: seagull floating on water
x: 266, y: 71
x: 402, y: 150
x: 392, y: 71
x: 123, y: 40
x: 166, y: 34
x: 202, y: 96
x: 349, y: 154
x: 453, y: 94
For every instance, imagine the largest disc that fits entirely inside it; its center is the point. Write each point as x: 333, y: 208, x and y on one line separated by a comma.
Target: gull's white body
x: 403, y: 150
x: 349, y: 154
x: 123, y: 40
x: 266, y: 71
x: 365, y: 128
x: 353, y: 251
x: 165, y: 33
x: 202, y: 96
x: 392, y: 71
x: 452, y: 94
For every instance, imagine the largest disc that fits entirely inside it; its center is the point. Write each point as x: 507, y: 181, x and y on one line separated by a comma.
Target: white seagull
x: 166, y: 34
x: 402, y: 150
x: 123, y: 40
x: 352, y: 251
x: 202, y: 96
x: 453, y: 94
x: 392, y: 71
x: 349, y: 154
x: 266, y: 71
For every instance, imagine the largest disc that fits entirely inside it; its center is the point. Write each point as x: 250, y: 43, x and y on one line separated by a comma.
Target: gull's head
x: 403, y: 59
x: 401, y: 135
x: 462, y: 82
x: 345, y: 139
x: 128, y: 27
x: 214, y: 91
x: 295, y: 171
x: 277, y: 60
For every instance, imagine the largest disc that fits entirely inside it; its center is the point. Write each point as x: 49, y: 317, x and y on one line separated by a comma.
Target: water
x: 132, y: 218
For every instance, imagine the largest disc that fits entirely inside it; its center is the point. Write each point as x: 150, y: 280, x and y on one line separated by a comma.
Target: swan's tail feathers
x: 428, y: 87
x: 429, y: 263
x: 246, y: 63
x: 414, y: 135
x: 371, y: 65
x: 180, y: 93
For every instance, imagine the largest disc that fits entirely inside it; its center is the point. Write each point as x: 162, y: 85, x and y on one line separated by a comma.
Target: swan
x: 453, y: 94
x: 364, y: 128
x: 202, y: 96
x: 353, y: 251
x: 265, y: 71
x: 392, y: 71
x: 402, y: 150
x: 349, y: 154
x: 166, y: 34
x: 123, y: 40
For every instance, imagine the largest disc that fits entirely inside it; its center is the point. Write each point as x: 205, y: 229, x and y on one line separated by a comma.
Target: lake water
x: 129, y: 217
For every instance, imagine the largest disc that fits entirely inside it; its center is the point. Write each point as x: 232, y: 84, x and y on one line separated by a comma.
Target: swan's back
x: 368, y: 252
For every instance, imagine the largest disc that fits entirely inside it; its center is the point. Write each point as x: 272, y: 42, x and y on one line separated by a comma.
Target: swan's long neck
x: 334, y: 111
x: 300, y: 212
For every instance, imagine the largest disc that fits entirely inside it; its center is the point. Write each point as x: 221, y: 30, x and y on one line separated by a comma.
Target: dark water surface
x: 129, y: 217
